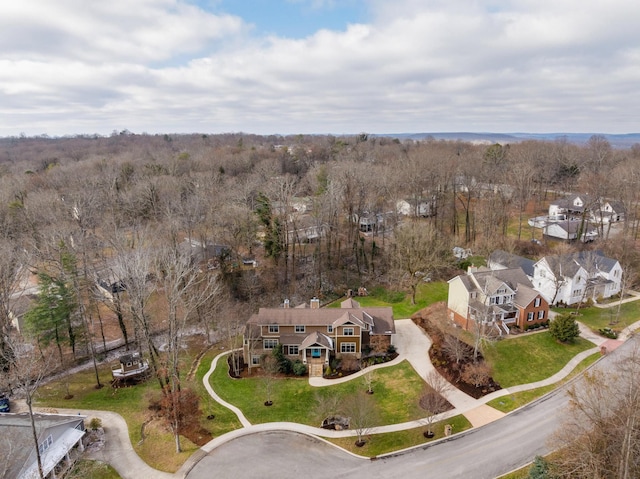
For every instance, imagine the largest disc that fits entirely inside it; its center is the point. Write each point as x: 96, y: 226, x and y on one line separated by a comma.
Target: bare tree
x: 185, y: 288
x: 600, y: 436
x: 25, y: 373
x: 454, y: 347
x: 270, y: 368
x: 418, y: 253
x: 360, y: 408
x: 368, y: 376
x: 432, y: 399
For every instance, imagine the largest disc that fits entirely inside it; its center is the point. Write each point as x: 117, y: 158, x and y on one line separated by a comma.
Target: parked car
x: 4, y: 403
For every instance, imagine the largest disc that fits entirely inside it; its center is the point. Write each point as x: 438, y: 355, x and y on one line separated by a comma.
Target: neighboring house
x: 609, y: 212
x: 597, y: 210
x: 502, y: 298
x: 315, y: 335
x: 502, y: 260
x: 417, y: 207
x: 305, y: 229
x: 59, y: 442
x: 569, y: 230
x: 573, y: 278
x: 207, y: 253
x: 573, y: 205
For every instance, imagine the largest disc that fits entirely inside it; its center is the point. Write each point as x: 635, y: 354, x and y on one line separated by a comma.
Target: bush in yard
x: 609, y: 333
x: 285, y: 365
x: 95, y: 423
x: 477, y: 374
x: 299, y: 368
x: 564, y: 328
x: 539, y: 469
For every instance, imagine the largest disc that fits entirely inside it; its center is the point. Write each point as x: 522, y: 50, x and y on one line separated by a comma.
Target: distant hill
x: 618, y: 141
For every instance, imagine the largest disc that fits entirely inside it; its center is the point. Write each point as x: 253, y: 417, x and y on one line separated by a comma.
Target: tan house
x: 314, y: 335
x: 502, y: 299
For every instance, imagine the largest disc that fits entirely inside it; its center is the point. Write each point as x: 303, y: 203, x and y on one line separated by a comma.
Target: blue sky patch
x: 291, y: 18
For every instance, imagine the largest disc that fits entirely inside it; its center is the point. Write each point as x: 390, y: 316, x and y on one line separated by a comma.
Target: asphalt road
x: 482, y: 453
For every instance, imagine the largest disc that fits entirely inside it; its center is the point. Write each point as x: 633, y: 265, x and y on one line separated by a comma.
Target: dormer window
x: 274, y: 328
x: 300, y: 328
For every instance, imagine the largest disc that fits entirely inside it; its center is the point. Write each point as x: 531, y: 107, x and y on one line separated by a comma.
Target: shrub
x: 95, y: 423
x: 564, y: 328
x: 299, y: 368
x: 609, y: 333
x: 285, y: 365
x: 391, y: 349
x: 477, y: 374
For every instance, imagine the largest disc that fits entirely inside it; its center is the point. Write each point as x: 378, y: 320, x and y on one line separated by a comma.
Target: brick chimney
x: 315, y: 303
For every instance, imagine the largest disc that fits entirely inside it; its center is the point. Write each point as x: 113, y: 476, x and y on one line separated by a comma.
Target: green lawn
x: 132, y: 402
x: 396, y: 392
x: 530, y: 358
x: 400, y: 302
x: 85, y: 468
x: 395, y: 441
x: 516, y: 400
x: 597, y: 318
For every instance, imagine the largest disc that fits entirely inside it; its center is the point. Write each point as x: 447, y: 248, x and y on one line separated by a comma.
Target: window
x: 270, y: 343
x: 536, y: 303
x: 492, y: 300
x: 577, y: 292
x: 293, y: 350
x: 300, y: 328
x: 530, y: 316
x: 347, y: 331
x: 540, y: 314
x: 255, y: 360
x: 348, y: 347
x: 329, y: 329
x: 46, y: 444
x: 274, y: 328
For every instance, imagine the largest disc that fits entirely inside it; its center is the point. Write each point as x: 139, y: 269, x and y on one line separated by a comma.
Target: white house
x: 420, y: 207
x: 576, y: 277
x: 569, y: 230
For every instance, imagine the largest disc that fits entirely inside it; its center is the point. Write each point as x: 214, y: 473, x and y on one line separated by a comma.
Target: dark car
x: 4, y: 403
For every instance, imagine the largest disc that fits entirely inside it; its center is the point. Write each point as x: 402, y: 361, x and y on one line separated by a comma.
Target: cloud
x: 165, y: 65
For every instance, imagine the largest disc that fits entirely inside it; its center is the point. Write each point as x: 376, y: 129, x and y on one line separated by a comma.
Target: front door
x: 315, y: 352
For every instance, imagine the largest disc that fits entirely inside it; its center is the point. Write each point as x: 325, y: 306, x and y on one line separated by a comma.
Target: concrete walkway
x: 412, y: 344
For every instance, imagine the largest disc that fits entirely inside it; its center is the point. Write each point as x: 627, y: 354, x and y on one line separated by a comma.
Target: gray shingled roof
x: 16, y: 428
x: 570, y: 263
x: 510, y: 261
x: 525, y: 295
x: 492, y: 279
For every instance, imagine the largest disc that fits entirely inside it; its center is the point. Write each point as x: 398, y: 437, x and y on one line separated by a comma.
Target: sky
x: 319, y: 66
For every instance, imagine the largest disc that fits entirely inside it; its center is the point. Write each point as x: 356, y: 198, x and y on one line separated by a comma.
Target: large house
x: 315, y: 335
x: 59, y: 442
x: 577, y: 277
x: 501, y: 298
x: 597, y: 210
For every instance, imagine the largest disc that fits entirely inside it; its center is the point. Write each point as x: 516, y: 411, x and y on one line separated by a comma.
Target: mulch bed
x: 448, y: 368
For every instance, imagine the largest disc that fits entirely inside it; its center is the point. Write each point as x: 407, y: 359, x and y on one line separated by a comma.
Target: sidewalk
x: 412, y: 344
